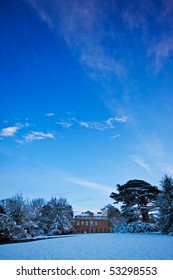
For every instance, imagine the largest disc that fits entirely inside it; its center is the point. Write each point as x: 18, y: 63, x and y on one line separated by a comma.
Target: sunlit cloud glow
x: 9, y: 131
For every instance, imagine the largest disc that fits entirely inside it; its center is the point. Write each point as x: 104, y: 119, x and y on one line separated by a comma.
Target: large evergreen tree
x: 138, y: 199
x: 166, y: 205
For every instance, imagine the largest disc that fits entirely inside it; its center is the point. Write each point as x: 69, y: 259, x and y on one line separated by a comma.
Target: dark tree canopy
x: 138, y: 198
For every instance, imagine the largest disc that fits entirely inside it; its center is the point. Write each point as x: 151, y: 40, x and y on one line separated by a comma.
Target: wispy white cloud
x: 9, y: 131
x: 42, y: 13
x: 166, y: 168
x: 161, y: 52
x: 110, y: 122
x: 135, y: 15
x: 153, y: 146
x: 83, y: 26
x: 24, y: 137
x: 12, y: 131
x: 115, y: 136
x: 92, y: 185
x: 141, y: 162
x: 67, y: 123
x: 84, y: 124
x: 159, y: 154
x: 84, y: 31
x: 38, y: 135
x: 122, y: 119
x: 50, y: 114
x: 95, y: 125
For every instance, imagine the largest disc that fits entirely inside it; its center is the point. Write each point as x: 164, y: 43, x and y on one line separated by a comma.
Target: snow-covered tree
x: 33, y: 223
x: 2, y: 209
x: 57, y: 217
x: 23, y: 219
x: 138, y: 199
x: 65, y: 216
x: 166, y: 205
x: 15, y: 208
x: 4, y: 224
x: 7, y: 225
x: 114, y: 216
x: 13, y: 219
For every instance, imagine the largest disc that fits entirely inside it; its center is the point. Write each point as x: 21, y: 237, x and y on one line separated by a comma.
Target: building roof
x: 86, y: 216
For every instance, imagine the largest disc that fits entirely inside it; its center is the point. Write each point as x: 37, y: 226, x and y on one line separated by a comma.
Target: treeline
x: 145, y: 208
x: 21, y: 219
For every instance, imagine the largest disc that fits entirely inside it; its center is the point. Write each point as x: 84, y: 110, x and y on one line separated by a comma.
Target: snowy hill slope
x: 93, y: 246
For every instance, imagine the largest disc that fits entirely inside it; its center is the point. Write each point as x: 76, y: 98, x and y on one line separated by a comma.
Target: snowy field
x: 93, y: 247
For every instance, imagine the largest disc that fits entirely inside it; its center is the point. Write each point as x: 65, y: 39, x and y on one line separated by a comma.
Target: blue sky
x: 86, y: 91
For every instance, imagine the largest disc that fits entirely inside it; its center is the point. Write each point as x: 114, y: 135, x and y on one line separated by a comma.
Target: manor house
x: 88, y: 222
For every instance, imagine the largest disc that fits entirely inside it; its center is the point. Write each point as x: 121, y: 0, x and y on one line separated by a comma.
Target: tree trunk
x: 145, y: 216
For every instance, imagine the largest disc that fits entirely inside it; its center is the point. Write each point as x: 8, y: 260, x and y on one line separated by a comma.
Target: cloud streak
x: 141, y: 162
x: 91, y: 185
x: 115, y: 136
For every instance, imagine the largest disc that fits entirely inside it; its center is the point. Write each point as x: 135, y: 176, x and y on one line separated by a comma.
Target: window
x: 86, y: 223
x: 78, y: 223
x: 96, y: 223
x: 100, y: 223
x: 91, y: 223
x: 82, y: 223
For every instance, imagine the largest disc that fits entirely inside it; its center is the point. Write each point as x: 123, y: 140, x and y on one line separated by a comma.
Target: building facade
x: 89, y: 222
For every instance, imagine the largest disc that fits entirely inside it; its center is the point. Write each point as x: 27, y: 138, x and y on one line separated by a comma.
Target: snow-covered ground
x: 93, y: 247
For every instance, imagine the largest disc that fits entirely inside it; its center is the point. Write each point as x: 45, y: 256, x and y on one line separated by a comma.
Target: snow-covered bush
x: 10, y: 230
x: 33, y: 229
x: 18, y: 232
x: 137, y: 227
x: 5, y: 225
